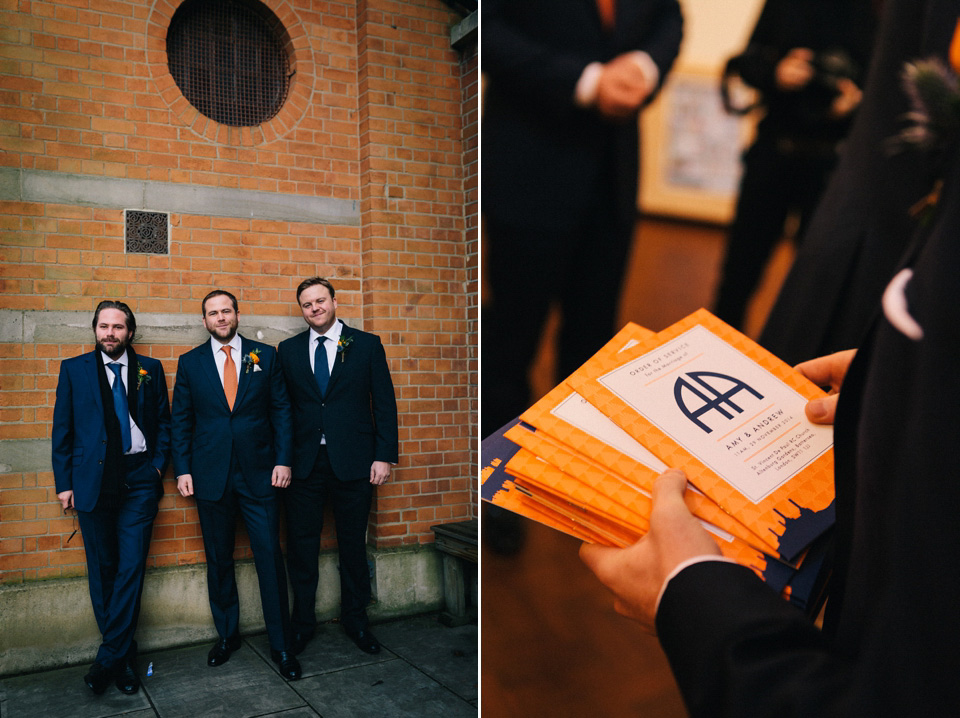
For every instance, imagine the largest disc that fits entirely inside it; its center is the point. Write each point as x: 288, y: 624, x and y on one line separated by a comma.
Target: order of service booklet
x: 703, y: 397
x: 586, y: 468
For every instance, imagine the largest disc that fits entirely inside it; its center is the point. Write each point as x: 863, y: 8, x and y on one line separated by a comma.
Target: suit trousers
x: 774, y: 184
x: 305, y: 501
x: 116, y: 539
x: 581, y: 270
x: 218, y: 522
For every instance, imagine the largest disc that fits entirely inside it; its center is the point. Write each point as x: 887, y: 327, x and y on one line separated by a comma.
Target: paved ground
x: 424, y: 670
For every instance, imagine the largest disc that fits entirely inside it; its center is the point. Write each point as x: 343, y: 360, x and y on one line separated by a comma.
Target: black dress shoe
x: 287, y: 663
x: 220, y: 653
x: 128, y: 677
x: 365, y: 641
x: 98, y: 678
x: 300, y: 641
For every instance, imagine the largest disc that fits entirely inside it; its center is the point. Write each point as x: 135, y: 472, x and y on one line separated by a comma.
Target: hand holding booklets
x: 698, y: 396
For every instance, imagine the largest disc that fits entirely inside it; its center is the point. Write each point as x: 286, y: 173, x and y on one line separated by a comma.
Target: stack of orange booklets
x: 699, y: 396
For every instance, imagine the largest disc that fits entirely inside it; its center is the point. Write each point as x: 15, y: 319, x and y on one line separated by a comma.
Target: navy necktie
x: 320, y: 369
x: 120, y: 406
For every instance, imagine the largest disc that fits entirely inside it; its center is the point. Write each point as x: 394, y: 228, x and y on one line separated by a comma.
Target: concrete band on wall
x: 18, y: 185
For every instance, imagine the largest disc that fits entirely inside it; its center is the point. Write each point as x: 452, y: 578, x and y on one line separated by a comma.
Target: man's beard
x: 117, y: 352
x: 227, y: 339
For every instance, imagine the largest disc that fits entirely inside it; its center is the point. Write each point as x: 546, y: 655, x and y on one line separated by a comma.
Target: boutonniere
x: 934, y: 117
x: 142, y: 375
x: 251, y: 360
x: 342, y: 345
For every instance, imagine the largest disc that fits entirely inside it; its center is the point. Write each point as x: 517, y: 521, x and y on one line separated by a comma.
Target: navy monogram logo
x: 715, y: 395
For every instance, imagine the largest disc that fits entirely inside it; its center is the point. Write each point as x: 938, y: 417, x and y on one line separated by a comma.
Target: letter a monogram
x: 711, y: 396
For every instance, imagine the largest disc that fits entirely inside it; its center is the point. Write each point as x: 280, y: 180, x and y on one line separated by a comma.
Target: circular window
x: 229, y: 59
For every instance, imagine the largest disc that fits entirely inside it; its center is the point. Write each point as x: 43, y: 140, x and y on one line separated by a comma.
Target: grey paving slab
x: 391, y: 688
x: 183, y: 686
x: 330, y: 650
x: 63, y: 694
x: 446, y: 654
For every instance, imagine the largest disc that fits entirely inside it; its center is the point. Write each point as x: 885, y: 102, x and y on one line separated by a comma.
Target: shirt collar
x: 122, y: 359
x: 333, y: 333
x: 234, y: 343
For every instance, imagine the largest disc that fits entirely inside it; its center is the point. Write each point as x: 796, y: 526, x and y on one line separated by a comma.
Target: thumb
x: 594, y: 556
x: 668, y: 492
x: 823, y: 410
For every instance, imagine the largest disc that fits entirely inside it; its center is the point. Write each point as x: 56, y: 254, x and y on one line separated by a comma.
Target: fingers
x: 185, y: 485
x: 828, y: 370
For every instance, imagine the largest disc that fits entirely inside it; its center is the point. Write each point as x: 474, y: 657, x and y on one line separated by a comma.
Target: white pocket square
x: 895, y: 307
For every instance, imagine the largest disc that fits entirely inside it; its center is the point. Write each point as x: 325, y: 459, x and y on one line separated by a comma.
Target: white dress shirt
x: 138, y: 442
x: 221, y: 356
x: 329, y: 346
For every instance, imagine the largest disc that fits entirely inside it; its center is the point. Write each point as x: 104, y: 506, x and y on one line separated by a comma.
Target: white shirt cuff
x: 648, y: 66
x: 686, y: 564
x: 585, y: 93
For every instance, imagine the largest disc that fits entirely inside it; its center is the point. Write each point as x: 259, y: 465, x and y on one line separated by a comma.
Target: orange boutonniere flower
x: 251, y: 360
x: 142, y: 375
x: 342, y: 345
x: 955, y: 49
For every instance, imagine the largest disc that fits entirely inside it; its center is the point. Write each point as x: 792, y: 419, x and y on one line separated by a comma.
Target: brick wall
x: 375, y: 149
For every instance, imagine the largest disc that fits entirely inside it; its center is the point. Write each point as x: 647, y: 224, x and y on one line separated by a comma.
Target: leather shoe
x: 98, y: 678
x: 365, y: 641
x: 300, y: 641
x: 128, y: 677
x: 220, y: 653
x: 287, y: 663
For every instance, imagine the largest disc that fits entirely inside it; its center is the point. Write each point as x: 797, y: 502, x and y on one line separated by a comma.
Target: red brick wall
x: 382, y: 112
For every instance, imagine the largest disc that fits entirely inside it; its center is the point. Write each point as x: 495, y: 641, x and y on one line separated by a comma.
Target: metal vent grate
x: 229, y: 59
x: 146, y: 232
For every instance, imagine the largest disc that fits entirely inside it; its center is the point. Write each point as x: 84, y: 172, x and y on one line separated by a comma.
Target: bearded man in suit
x: 111, y: 442
x: 231, y: 449
x: 345, y: 440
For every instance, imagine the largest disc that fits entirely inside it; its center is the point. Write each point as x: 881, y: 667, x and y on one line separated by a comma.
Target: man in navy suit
x: 231, y: 449
x: 565, y: 82
x: 345, y: 440
x: 111, y: 442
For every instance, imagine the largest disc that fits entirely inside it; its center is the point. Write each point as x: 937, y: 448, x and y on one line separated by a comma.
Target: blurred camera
x: 831, y: 66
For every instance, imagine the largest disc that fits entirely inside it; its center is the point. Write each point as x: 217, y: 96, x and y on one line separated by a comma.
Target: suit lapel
x: 339, y: 358
x: 91, y: 368
x: 301, y: 360
x: 245, y: 348
x: 134, y: 393
x: 209, y: 365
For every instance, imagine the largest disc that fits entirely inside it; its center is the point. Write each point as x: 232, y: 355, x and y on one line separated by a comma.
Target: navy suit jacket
x: 207, y: 435
x: 358, y: 414
x: 889, y: 645
x: 79, y: 436
x: 545, y: 160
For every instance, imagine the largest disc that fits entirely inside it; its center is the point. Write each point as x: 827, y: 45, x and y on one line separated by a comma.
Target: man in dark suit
x: 566, y: 80
x: 111, y: 442
x: 889, y: 641
x: 345, y: 440
x: 865, y: 218
x: 231, y: 449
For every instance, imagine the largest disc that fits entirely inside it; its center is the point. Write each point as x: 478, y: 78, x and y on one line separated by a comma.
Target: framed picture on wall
x: 690, y: 149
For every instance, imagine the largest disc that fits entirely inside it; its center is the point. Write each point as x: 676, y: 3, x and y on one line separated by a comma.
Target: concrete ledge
x: 29, y: 326
x: 47, y: 624
x: 118, y: 193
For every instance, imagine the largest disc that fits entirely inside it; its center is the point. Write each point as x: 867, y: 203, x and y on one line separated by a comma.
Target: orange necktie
x: 229, y: 378
x: 607, y: 12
